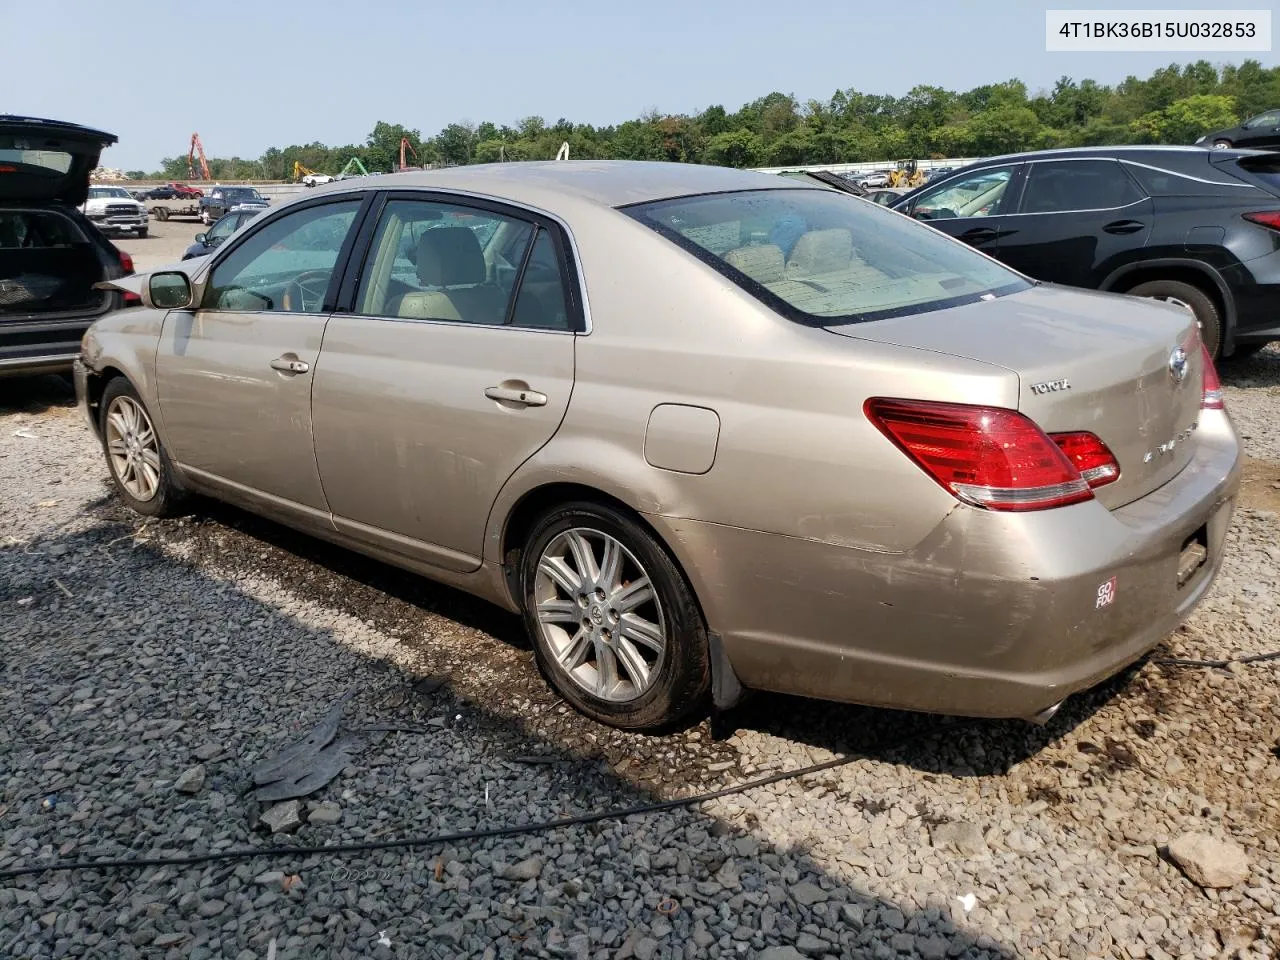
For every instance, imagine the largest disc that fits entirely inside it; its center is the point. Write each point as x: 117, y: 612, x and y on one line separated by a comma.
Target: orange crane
x: 197, y: 148
x: 405, y: 144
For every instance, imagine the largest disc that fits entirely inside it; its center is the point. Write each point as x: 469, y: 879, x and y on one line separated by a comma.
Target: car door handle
x: 288, y: 365
x: 980, y: 233
x: 530, y: 398
x: 1125, y: 226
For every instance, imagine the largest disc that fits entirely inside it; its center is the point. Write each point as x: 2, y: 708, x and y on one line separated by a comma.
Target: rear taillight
x: 987, y: 456
x: 1265, y: 218
x: 1211, y: 396
x: 126, y: 264
x: 1092, y: 459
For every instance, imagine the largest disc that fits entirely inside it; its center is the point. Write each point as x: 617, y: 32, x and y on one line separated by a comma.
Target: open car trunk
x: 47, y: 266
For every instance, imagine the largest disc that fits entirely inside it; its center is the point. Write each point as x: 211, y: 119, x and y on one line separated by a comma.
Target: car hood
x: 45, y: 160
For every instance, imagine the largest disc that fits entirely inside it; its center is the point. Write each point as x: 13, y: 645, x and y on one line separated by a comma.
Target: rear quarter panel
x: 795, y: 454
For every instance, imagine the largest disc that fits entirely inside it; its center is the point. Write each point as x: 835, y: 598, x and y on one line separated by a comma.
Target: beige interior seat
x: 763, y: 262
x: 819, y: 252
x: 450, y: 261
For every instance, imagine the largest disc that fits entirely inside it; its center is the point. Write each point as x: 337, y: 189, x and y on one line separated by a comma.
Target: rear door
x: 1078, y: 220
x: 453, y: 366
x: 234, y: 376
x: 971, y: 206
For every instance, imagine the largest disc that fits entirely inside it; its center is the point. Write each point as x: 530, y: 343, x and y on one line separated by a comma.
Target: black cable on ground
x: 248, y: 853
x: 617, y: 813
x: 1216, y: 664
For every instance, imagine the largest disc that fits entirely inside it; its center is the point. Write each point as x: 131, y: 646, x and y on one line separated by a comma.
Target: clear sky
x: 248, y: 76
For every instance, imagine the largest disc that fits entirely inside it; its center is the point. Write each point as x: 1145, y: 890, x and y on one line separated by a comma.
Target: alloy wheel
x: 133, y: 448
x: 599, y: 615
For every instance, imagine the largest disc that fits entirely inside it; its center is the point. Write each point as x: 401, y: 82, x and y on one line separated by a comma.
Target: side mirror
x: 200, y: 238
x: 169, y: 291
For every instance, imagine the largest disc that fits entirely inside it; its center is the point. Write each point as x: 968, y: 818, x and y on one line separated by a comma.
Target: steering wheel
x: 305, y: 292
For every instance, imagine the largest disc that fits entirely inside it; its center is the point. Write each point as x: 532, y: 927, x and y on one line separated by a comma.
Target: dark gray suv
x: 51, y: 256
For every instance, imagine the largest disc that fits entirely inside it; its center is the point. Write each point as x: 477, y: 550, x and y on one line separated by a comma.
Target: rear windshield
x: 821, y: 257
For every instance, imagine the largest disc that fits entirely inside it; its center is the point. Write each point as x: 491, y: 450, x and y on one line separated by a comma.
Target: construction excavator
x: 907, y: 174
x: 197, y: 148
x: 406, y: 145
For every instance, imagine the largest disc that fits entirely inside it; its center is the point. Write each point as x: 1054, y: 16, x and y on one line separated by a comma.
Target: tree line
x: 1174, y: 105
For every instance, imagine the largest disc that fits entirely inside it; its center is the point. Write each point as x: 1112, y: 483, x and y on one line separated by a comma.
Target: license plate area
x: 1194, y: 554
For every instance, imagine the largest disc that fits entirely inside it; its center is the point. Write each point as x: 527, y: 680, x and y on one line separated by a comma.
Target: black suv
x: 1183, y: 224
x: 50, y: 254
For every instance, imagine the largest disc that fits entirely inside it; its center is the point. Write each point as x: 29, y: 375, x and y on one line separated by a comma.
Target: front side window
x: 1065, y: 185
x: 431, y: 260
x: 222, y: 229
x: 821, y: 257
x: 977, y: 195
x: 1264, y: 120
x: 287, y: 265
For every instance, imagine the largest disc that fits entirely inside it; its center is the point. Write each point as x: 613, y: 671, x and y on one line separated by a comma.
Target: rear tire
x: 162, y: 213
x: 140, y: 468
x: 625, y: 655
x: 1199, y: 302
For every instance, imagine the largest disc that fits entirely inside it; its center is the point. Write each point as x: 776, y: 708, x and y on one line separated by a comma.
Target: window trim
x: 264, y: 220
x: 567, y: 256
x: 787, y: 311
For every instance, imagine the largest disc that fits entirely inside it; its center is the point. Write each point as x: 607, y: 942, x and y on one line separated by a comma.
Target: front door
x: 454, y: 367
x: 234, y: 376
x: 1078, y: 221
x: 970, y: 207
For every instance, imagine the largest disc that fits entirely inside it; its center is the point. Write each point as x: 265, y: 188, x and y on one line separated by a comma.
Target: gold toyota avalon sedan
x: 705, y: 430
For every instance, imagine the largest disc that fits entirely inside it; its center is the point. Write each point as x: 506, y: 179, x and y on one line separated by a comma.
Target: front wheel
x: 615, y: 628
x: 205, y: 218
x: 139, y: 466
x: 142, y: 234
x: 1222, y: 144
x: 1191, y: 298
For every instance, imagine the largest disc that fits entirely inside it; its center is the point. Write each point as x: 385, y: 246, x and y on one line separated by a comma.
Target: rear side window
x: 1204, y: 179
x: 821, y: 257
x: 1261, y: 171
x: 1067, y: 185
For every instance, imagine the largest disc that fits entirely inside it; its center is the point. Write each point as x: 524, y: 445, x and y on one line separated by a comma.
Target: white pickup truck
x: 113, y: 211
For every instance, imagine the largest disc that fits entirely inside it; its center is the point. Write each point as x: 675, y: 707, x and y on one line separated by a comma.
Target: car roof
x: 1105, y: 151
x: 611, y: 183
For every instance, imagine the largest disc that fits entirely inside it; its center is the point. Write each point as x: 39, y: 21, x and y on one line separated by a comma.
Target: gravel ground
x: 134, y: 653
x: 165, y: 242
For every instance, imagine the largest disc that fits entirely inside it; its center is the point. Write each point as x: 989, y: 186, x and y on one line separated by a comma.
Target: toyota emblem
x: 1178, y: 364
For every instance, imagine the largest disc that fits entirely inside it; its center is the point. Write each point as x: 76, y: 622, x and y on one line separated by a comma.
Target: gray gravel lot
x: 134, y: 652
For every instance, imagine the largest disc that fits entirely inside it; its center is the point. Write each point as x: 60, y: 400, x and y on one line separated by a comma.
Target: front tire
x: 616, y: 630
x: 139, y: 466
x: 142, y: 234
x: 1222, y: 144
x: 1195, y: 299
x: 205, y: 218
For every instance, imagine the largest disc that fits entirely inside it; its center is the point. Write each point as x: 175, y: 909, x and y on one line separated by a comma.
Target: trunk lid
x: 44, y: 160
x: 1085, y: 361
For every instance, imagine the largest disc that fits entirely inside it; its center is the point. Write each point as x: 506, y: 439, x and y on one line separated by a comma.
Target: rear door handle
x: 287, y: 365
x: 529, y: 398
x: 1125, y: 226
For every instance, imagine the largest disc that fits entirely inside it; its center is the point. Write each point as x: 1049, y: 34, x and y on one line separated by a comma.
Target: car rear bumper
x: 993, y: 614
x: 41, y: 346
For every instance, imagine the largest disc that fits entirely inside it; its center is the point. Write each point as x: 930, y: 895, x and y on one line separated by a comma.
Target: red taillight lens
x: 1092, y: 459
x: 1211, y: 396
x: 126, y: 261
x: 987, y: 456
x: 1265, y: 218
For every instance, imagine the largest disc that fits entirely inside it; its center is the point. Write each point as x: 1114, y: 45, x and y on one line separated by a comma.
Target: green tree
x: 734, y: 148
